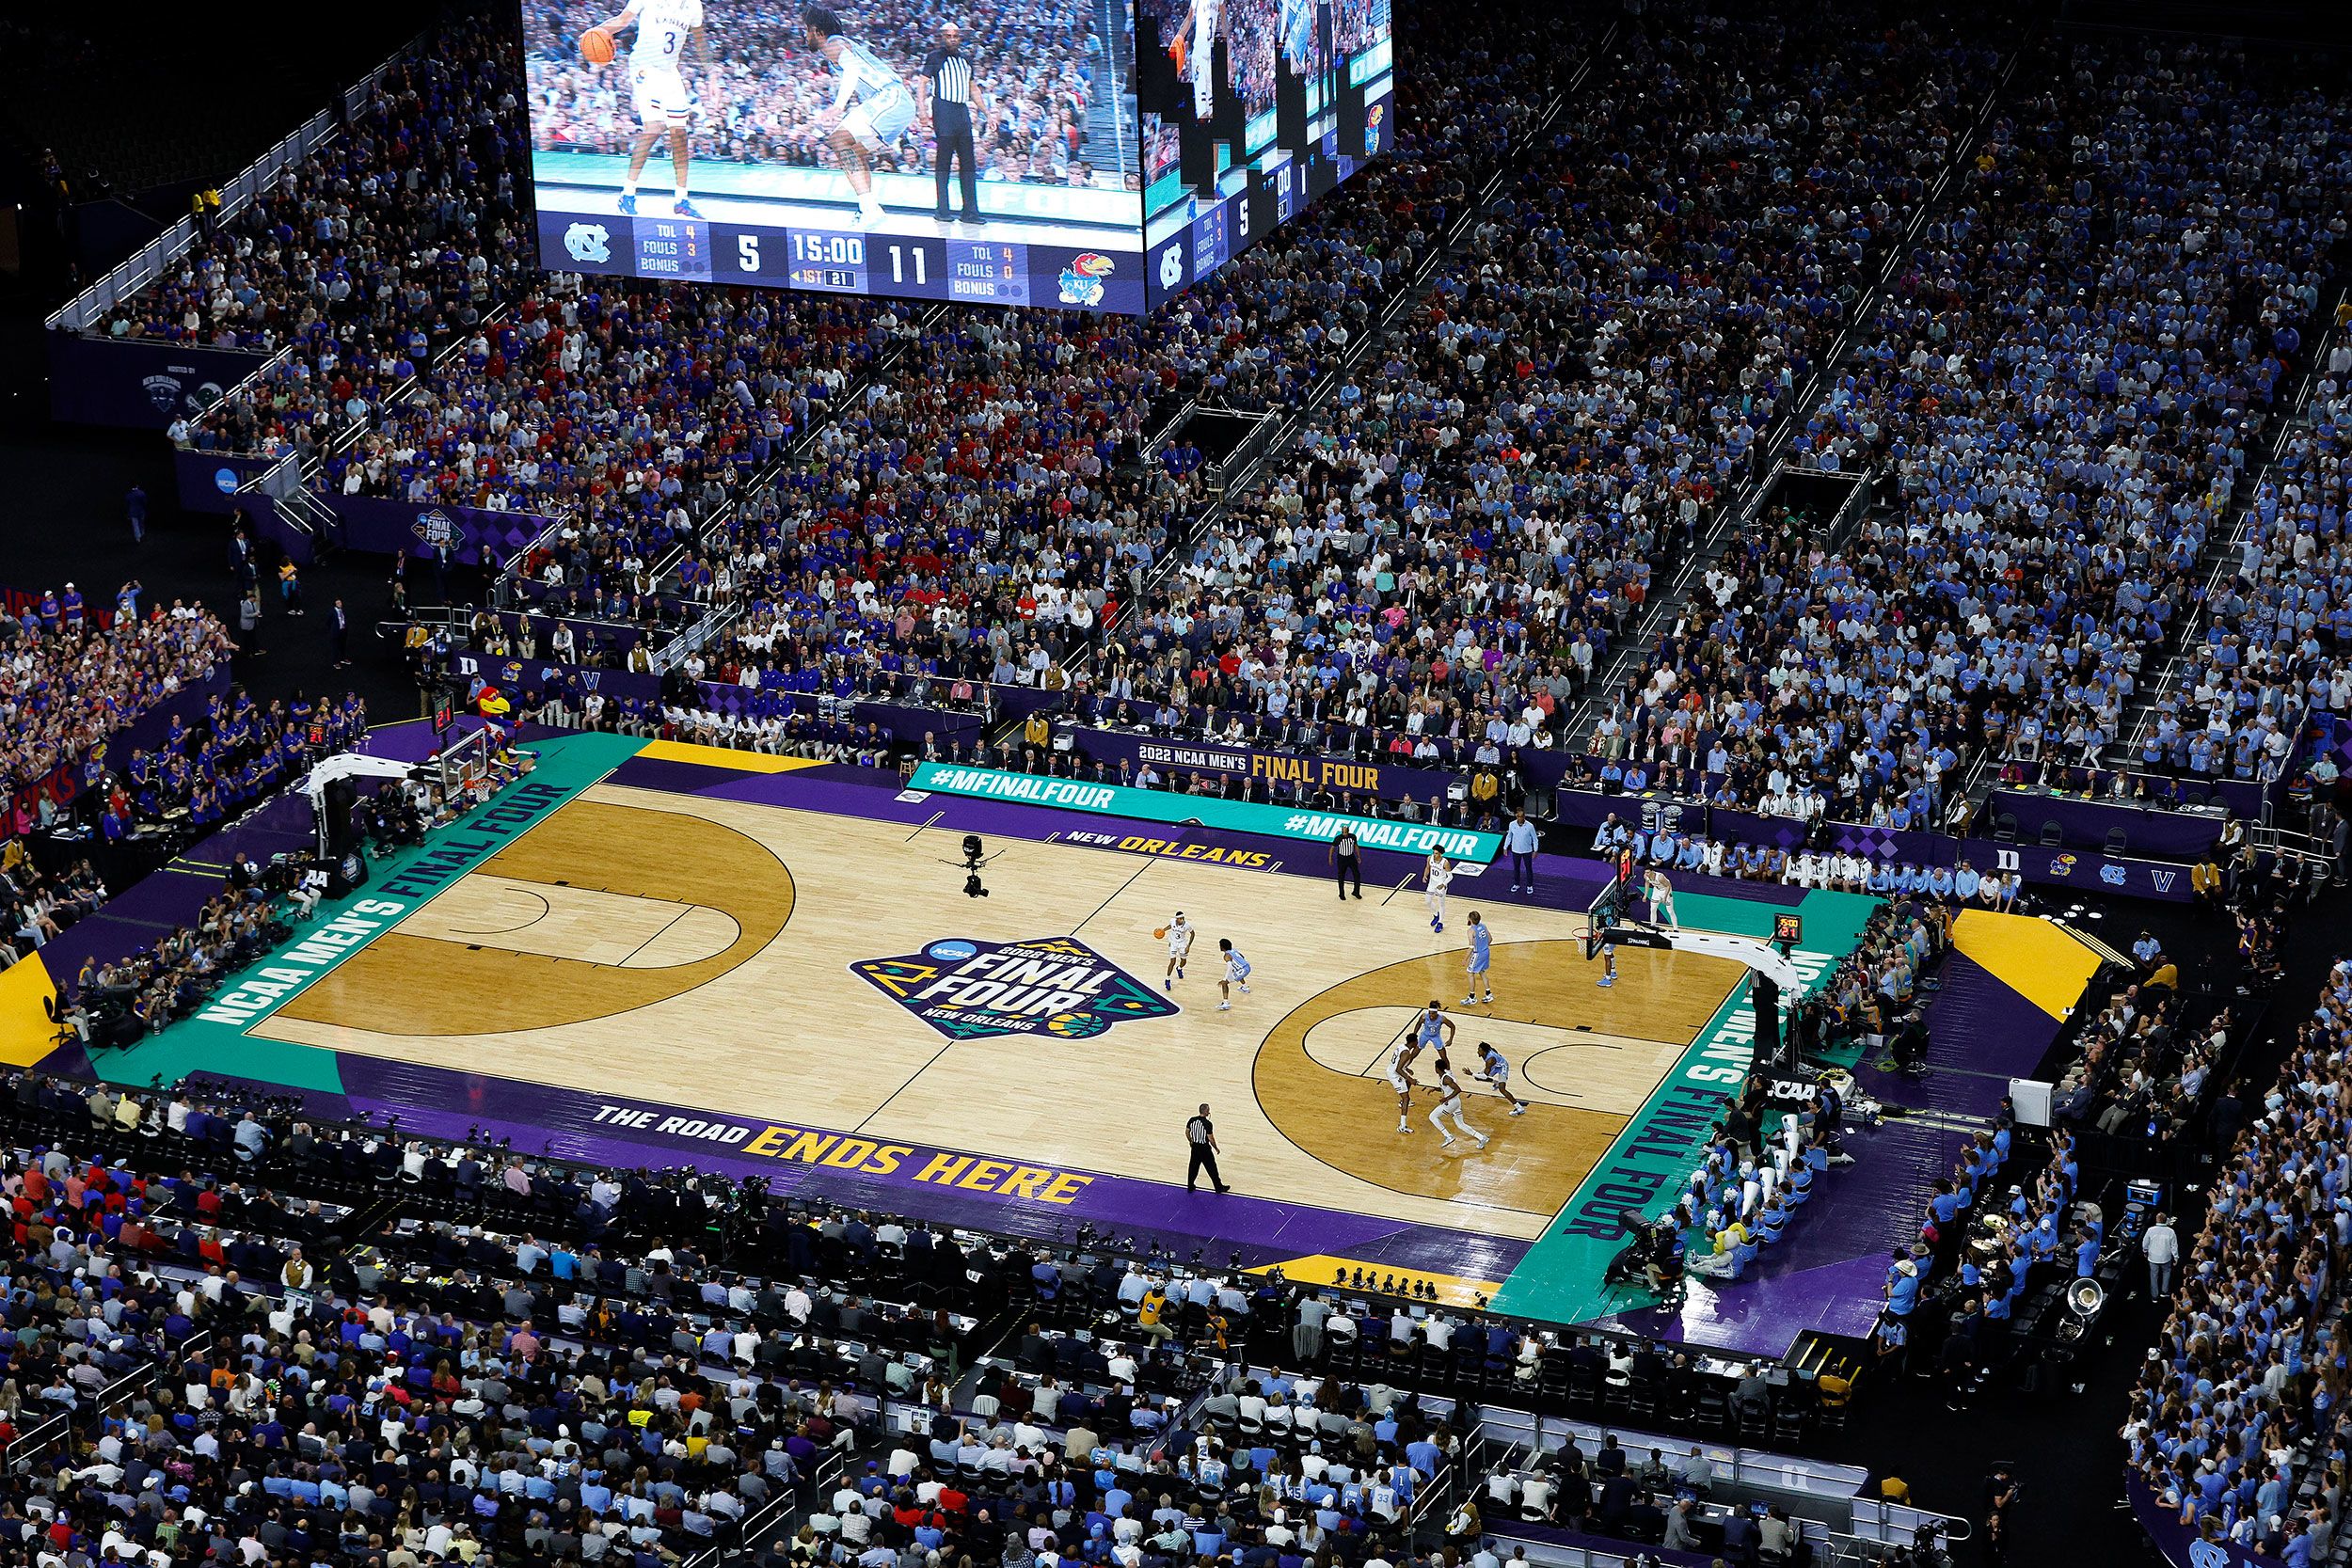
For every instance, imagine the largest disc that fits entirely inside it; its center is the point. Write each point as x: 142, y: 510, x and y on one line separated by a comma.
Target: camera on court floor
x: 974, y: 857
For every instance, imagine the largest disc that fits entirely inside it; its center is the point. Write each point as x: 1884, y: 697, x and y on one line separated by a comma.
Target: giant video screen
x: 1250, y: 109
x: 985, y: 152
x: 1101, y: 154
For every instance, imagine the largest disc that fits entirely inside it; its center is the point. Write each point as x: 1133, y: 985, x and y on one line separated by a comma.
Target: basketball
x: 1158, y: 932
x: 595, y: 46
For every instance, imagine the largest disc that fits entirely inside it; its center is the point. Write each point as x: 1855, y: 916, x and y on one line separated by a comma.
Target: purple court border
x: 1821, y: 1283
x: 540, y: 1121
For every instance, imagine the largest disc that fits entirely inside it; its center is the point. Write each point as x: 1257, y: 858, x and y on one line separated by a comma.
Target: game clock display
x: 844, y: 261
x: 912, y: 151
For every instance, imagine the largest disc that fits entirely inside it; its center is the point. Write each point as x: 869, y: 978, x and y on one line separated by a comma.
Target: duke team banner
x: 1181, y: 759
x: 1240, y: 817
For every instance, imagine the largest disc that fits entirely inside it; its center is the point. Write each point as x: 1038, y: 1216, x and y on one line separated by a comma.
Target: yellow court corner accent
x: 26, y: 1033
x: 724, y: 756
x: 1321, y: 1269
x: 2045, y: 963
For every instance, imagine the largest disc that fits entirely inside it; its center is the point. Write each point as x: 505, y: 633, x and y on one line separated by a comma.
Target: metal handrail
x: 40, y: 1439
x: 700, y: 635
x: 766, y: 1518
x: 1749, y: 491
x: 1273, y: 435
x: 2175, y: 674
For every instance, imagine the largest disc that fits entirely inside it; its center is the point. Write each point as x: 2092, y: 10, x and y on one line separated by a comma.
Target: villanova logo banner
x: 970, y: 991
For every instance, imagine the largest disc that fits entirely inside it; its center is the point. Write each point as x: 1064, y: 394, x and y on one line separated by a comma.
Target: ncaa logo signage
x: 969, y: 989
x: 437, y: 529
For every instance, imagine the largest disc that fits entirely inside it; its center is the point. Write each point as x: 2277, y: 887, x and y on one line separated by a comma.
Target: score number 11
x: 897, y: 266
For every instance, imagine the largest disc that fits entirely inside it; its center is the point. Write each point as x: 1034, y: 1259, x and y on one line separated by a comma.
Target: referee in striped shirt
x: 952, y: 91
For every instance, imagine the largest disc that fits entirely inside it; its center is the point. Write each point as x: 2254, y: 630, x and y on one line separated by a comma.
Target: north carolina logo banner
x: 969, y: 989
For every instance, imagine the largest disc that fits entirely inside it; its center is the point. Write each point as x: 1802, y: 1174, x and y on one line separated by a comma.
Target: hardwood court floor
x: 697, y: 952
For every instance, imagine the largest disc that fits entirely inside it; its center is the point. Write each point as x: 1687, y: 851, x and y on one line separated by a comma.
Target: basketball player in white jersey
x: 1431, y: 1031
x: 1437, y: 874
x: 1236, y: 974
x: 1179, y: 946
x: 872, y: 106
x: 657, y: 87
x: 1196, y: 51
x: 1661, y: 894
x: 1498, y: 1074
x: 1450, y: 1105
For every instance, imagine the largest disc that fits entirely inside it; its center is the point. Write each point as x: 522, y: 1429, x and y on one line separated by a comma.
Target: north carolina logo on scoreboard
x: 969, y: 989
x: 589, y: 242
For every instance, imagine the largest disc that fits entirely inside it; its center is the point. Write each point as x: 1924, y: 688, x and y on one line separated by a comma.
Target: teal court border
x: 1559, y: 1279
x: 216, y: 1038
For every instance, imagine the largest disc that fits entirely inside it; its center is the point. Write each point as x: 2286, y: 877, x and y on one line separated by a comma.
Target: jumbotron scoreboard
x: 859, y: 150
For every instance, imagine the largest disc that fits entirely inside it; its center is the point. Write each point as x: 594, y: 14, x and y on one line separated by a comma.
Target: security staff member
x: 1201, y: 1134
x: 1347, y: 864
x: 1520, y: 838
x: 951, y: 90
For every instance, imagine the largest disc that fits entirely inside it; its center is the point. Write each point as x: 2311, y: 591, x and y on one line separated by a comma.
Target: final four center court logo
x: 970, y: 991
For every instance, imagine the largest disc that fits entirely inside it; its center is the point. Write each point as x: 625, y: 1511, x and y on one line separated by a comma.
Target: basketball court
x: 646, y: 946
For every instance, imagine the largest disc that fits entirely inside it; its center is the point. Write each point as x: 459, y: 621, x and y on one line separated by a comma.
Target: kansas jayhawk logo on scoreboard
x: 1058, y: 986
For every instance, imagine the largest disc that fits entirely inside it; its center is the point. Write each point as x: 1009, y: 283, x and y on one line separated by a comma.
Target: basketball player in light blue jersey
x: 1236, y: 974
x: 1481, y: 955
x: 872, y: 106
x: 1298, y: 28
x: 1499, y: 1075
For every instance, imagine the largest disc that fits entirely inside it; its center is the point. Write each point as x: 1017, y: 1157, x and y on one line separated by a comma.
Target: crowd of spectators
x: 37, y: 904
x: 2065, y: 380
x: 568, y: 1364
x: 1473, y: 522
x: 389, y: 242
x: 2279, y: 628
x: 2143, y: 1067
x: 625, y: 411
x: 2235, y: 1423
x: 122, y: 1001
x: 974, y: 517
x: 1465, y: 529
x: 71, y: 678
